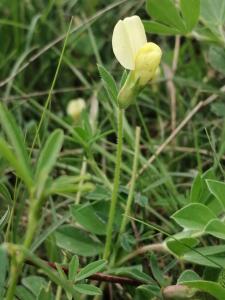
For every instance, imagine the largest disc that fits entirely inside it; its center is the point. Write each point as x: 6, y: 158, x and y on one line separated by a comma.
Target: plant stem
x: 158, y: 247
x: 132, y: 183
x: 17, y: 262
x: 52, y: 275
x: 115, y: 185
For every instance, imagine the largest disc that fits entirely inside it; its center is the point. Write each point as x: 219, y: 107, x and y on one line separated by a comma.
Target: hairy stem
x: 17, y: 262
x: 112, y: 210
x: 133, y: 178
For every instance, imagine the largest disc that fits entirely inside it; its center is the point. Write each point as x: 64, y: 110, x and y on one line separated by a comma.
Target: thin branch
x: 147, y: 248
x: 169, y: 73
x: 43, y: 93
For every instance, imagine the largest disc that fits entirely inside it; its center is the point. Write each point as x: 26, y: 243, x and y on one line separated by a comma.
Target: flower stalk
x: 116, y: 182
x: 132, y: 185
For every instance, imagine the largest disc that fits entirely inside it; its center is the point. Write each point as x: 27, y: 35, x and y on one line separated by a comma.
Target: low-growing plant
x: 83, y: 207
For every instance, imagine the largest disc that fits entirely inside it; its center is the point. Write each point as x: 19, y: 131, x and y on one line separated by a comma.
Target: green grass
x: 45, y: 62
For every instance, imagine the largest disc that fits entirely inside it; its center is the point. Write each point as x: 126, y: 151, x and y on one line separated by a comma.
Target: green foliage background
x: 72, y: 176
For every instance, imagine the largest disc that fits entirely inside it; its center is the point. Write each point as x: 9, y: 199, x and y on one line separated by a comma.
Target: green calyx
x: 129, y: 92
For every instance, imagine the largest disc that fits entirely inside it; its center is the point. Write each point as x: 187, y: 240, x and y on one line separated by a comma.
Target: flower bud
x: 75, y: 108
x: 146, y: 63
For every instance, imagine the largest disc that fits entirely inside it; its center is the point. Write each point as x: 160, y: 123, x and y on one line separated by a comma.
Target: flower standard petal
x: 121, y: 46
x: 136, y: 32
x: 128, y: 37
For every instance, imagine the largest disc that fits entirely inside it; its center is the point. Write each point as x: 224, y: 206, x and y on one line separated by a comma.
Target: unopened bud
x: 75, y: 108
x: 147, y: 62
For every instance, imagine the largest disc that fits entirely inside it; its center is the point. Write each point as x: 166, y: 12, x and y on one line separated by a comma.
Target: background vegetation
x: 45, y: 64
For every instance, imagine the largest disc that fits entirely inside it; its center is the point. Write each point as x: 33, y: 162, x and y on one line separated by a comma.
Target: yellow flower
x: 132, y: 50
x: 134, y: 53
x: 75, y: 108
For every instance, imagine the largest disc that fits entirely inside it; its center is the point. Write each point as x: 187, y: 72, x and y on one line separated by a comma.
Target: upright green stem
x: 132, y: 183
x: 115, y: 185
x: 18, y: 261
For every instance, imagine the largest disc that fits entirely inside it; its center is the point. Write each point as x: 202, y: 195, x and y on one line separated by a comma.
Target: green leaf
x: 201, y: 194
x: 45, y: 294
x: 196, y: 189
x: 4, y: 219
x: 217, y: 188
x: 86, y: 215
x: 158, y: 28
x: 147, y: 292
x: 213, y: 12
x: 165, y: 12
x: 156, y: 271
x: 109, y: 83
x: 16, y: 164
x: 199, y: 191
x: 90, y: 269
x: 73, y: 267
x: 212, y: 288
x: 181, y: 246
x: 87, y: 289
x: 49, y: 154
x: 4, y: 269
x: 213, y: 16
x: 133, y: 272
x: 190, y: 10
x: 61, y: 273
x: 188, y: 275
x: 77, y: 241
x: 34, y: 284
x: 211, y: 256
x: 216, y: 228
x: 4, y: 192
x: 217, y: 58
x: 23, y: 294
x: 67, y: 185
x: 218, y: 109
x: 16, y: 139
x: 194, y: 216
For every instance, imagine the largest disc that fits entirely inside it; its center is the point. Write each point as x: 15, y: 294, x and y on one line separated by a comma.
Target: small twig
x: 176, y: 54
x: 172, y: 92
x: 43, y: 93
x: 147, y: 248
x: 185, y: 150
x: 169, y: 73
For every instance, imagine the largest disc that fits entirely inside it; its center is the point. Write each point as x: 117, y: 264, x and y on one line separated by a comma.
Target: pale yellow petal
x: 146, y: 62
x: 128, y: 37
x: 136, y: 32
x: 75, y: 108
x: 121, y: 46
